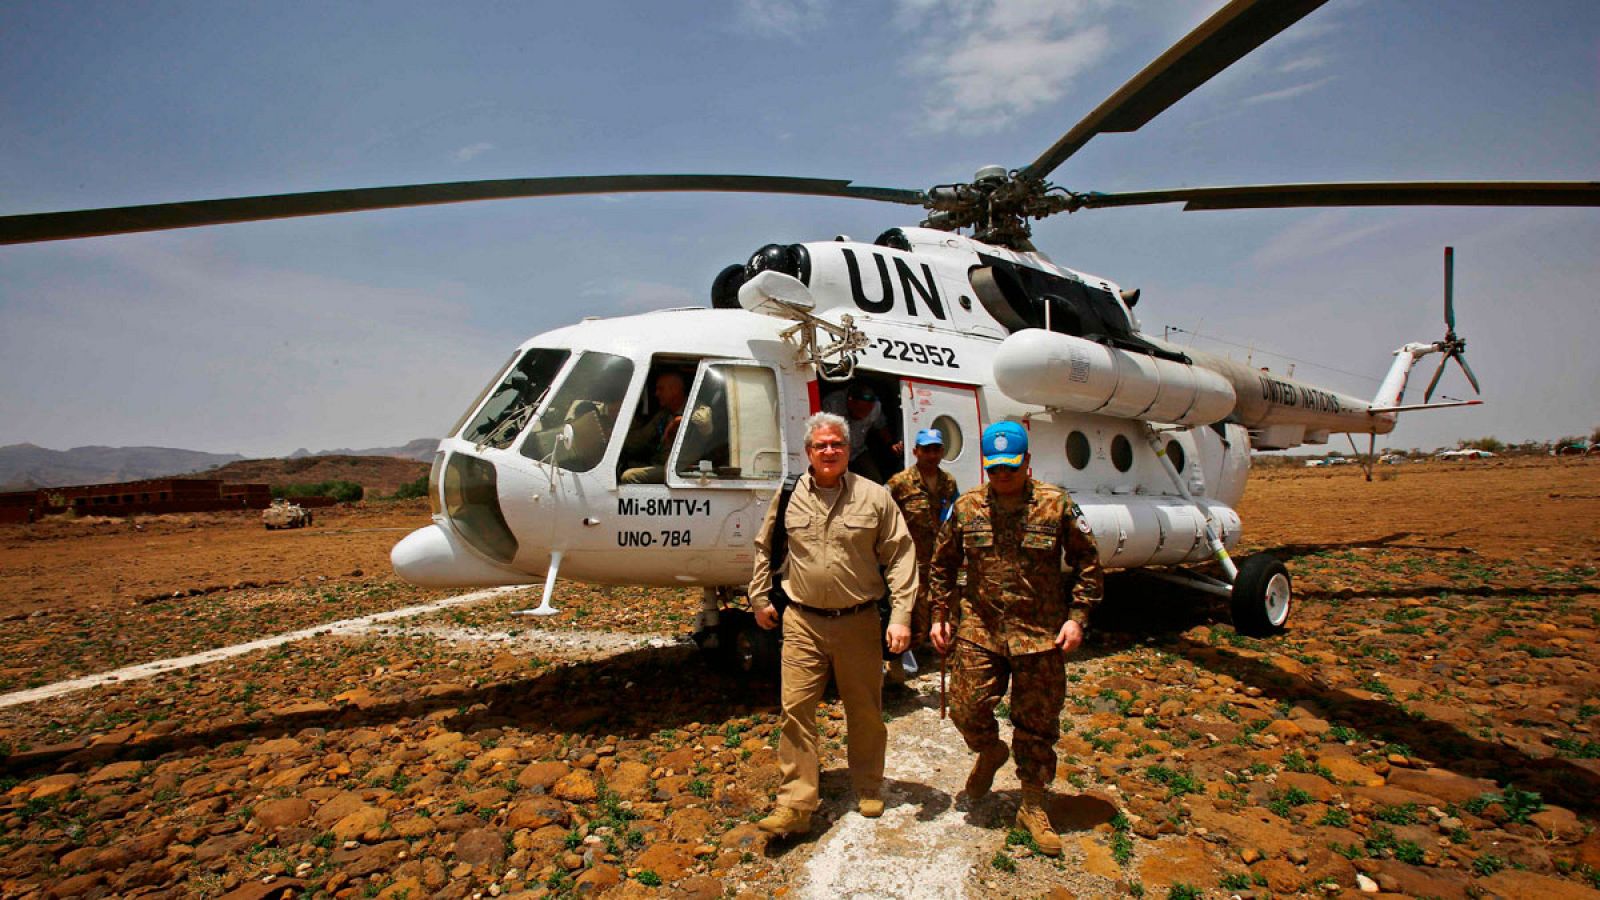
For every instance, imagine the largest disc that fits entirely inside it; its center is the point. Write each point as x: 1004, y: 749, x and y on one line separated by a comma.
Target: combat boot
x: 1032, y: 816
x: 786, y: 821
x: 981, y: 778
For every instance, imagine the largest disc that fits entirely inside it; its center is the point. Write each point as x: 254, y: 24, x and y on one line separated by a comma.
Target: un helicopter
x: 954, y: 323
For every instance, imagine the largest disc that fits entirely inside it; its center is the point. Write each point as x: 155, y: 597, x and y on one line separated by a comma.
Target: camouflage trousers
x: 922, y: 609
x: 1038, y: 681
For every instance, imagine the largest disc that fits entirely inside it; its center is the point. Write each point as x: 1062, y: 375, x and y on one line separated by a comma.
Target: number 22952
x: 911, y: 351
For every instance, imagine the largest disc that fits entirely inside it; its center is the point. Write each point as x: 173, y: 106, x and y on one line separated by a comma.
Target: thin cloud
x: 1321, y: 234
x: 1286, y: 93
x: 472, y: 151
x: 781, y: 18
x: 1302, y: 63
x: 990, y: 63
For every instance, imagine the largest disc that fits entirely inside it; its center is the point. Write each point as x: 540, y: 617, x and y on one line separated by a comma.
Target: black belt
x: 836, y: 613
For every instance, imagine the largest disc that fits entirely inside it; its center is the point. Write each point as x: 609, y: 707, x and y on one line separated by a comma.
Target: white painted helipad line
x: 589, y: 643
x: 147, y: 670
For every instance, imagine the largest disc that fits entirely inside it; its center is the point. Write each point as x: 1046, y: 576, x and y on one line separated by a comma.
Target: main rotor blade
x: 162, y: 216
x: 1369, y: 193
x: 1449, y: 290
x: 1216, y: 44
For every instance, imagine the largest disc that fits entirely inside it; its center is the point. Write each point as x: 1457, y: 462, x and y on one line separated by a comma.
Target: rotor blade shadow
x: 1559, y: 780
x: 1146, y: 611
x: 633, y: 694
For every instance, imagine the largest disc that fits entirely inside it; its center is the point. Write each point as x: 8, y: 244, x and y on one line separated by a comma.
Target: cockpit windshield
x: 514, y: 401
x: 589, y: 400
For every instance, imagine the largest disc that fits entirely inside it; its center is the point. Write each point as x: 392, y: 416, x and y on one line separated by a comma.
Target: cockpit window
x: 731, y: 432
x: 589, y: 401
x: 513, y: 403
x: 493, y: 382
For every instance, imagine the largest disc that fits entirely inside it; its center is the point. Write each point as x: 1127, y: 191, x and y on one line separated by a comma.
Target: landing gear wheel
x: 747, y: 648
x: 1262, y: 596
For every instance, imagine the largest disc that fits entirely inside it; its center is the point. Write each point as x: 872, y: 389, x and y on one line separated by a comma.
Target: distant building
x: 151, y: 497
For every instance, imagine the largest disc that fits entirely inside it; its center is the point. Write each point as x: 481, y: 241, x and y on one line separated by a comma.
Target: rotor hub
x: 997, y: 205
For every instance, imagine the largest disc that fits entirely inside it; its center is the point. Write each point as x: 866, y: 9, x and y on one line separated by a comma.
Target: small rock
x: 699, y: 887
x: 278, y: 813
x: 576, y: 787
x: 359, y: 822
x: 119, y: 771
x: 481, y: 847
x: 598, y: 880
x: 670, y: 860
x: 536, y: 813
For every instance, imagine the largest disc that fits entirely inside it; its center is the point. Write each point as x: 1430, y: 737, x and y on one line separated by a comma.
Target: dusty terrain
x: 1429, y: 726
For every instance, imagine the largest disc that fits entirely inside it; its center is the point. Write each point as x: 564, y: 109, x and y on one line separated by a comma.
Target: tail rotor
x: 1453, y: 346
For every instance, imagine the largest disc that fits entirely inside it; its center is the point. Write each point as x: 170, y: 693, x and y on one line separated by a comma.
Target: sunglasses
x: 1003, y: 470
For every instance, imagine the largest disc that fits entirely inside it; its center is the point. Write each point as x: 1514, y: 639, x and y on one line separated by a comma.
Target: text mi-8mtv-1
x: 952, y: 324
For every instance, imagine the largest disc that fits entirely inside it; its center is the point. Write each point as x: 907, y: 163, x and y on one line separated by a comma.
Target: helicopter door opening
x: 730, y: 434
x: 655, y: 425
x: 871, y: 406
x: 953, y: 409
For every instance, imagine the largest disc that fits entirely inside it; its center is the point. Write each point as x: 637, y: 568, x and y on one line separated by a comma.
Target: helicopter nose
x: 433, y: 557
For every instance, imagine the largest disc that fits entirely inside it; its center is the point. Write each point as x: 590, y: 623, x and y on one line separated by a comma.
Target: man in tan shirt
x: 847, y: 542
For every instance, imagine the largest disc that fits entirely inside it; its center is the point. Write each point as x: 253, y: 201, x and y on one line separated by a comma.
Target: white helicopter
x: 539, y: 480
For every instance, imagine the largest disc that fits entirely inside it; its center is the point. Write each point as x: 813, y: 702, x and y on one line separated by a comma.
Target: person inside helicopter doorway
x: 860, y: 407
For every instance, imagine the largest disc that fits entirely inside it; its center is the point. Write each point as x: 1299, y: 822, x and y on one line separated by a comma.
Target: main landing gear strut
x: 1260, y: 592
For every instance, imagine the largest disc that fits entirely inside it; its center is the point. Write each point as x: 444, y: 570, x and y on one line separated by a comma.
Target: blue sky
x: 376, y: 328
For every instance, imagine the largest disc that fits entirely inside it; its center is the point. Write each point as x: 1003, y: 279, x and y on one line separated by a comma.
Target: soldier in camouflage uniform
x: 1019, y: 615
x: 924, y: 494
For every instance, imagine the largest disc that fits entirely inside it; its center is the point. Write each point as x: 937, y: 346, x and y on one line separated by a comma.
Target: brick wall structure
x: 152, y: 496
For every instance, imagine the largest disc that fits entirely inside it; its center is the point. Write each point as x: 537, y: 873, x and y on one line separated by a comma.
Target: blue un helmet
x: 1004, y: 444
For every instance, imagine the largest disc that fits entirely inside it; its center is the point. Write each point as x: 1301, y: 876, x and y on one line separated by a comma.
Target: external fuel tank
x: 1060, y: 371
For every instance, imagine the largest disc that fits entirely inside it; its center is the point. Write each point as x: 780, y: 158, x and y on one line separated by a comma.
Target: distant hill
x: 420, y: 449
x: 25, y: 466
x: 380, y: 475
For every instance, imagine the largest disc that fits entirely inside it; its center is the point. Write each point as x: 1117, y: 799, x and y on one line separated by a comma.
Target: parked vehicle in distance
x: 283, y: 514
x: 1464, y: 454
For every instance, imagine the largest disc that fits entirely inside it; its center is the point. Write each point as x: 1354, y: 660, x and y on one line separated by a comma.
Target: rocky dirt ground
x: 1429, y: 726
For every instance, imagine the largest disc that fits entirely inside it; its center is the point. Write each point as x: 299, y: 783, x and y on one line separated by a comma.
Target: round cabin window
x: 1121, y: 453
x: 1078, y: 450
x: 952, y: 436
x: 1175, y: 453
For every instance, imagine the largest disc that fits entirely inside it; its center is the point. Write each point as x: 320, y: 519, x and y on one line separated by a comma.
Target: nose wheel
x: 1262, y: 596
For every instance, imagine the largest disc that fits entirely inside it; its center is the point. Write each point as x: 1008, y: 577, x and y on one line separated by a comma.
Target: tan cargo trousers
x: 849, y: 647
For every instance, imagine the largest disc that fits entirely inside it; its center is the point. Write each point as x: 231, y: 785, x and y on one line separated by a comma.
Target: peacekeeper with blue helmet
x: 1033, y: 576
x: 925, y: 494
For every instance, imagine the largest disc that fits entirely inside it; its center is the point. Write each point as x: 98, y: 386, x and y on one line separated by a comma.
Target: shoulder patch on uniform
x: 1083, y: 526
x: 1074, y: 510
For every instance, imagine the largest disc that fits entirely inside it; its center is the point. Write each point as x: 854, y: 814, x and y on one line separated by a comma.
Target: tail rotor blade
x: 1462, y: 359
x: 1449, y: 289
x: 1428, y: 394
